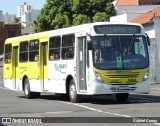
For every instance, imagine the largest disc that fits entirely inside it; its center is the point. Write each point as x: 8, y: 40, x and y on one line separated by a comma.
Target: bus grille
x: 122, y: 78
x: 123, y: 75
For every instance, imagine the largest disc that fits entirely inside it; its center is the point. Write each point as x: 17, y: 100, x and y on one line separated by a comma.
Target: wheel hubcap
x: 72, y: 91
x: 26, y: 89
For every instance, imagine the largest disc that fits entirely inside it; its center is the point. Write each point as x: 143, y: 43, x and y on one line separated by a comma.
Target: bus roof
x: 68, y: 30
x: 28, y: 37
x: 85, y: 27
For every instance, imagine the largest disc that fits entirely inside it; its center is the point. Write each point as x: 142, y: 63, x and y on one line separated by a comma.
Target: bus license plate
x: 123, y: 87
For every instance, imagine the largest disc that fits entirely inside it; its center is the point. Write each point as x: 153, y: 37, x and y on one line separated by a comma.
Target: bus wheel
x: 74, y: 97
x: 28, y: 94
x: 122, y: 96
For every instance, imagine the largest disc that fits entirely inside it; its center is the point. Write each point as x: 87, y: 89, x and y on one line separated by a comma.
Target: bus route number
x: 132, y: 80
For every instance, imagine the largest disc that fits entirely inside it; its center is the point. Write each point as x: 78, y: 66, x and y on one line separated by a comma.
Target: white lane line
x: 93, y: 109
x: 58, y: 112
x: 101, y: 111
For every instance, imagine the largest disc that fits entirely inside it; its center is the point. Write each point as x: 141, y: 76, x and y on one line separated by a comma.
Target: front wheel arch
x: 68, y: 79
x: 74, y: 97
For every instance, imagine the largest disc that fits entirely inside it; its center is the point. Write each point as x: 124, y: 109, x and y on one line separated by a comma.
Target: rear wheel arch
x: 26, y: 88
x: 24, y: 77
x: 74, y: 97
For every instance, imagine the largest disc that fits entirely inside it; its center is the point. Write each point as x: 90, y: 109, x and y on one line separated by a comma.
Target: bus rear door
x: 15, y: 66
x: 43, y: 64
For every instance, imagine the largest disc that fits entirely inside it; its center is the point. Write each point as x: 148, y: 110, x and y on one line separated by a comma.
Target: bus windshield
x: 120, y: 52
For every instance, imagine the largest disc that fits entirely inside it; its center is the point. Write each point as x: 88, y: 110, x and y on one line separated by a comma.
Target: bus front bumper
x: 101, y: 88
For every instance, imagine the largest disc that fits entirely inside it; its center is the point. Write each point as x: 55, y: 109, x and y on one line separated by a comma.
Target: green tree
x: 100, y: 16
x: 63, y: 13
x: 80, y: 19
x: 60, y: 21
x: 17, y: 20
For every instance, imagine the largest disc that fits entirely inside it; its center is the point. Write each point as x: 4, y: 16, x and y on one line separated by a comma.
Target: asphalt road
x: 13, y: 104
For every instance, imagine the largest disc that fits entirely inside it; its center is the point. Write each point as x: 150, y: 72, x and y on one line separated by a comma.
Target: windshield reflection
x: 120, y: 52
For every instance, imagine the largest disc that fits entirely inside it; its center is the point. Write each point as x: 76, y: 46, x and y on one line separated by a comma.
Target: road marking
x: 101, y: 111
x: 58, y: 112
x: 93, y: 109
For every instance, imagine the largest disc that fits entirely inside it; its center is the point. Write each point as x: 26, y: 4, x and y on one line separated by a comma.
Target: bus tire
x: 122, y: 96
x: 28, y: 94
x: 74, y: 97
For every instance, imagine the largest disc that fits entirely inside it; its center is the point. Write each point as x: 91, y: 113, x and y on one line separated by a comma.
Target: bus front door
x: 15, y: 66
x: 81, y: 64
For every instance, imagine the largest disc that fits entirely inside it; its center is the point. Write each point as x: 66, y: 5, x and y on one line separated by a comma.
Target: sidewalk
x: 155, y: 87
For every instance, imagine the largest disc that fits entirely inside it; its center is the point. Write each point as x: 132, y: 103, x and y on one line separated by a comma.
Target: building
x: 29, y: 17
x: 6, y: 18
x: 136, y: 2
x: 27, y: 14
x: 22, y: 9
x: 156, y: 20
x: 146, y: 20
x: 1, y: 16
x: 135, y: 6
x: 8, y: 31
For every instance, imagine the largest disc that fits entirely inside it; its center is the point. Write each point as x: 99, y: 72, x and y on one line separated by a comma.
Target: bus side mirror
x: 148, y: 40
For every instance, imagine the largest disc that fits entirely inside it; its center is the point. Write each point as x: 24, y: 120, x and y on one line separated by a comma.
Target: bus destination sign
x: 117, y: 29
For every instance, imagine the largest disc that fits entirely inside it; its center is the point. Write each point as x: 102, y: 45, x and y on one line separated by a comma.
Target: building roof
x: 147, y: 17
x: 149, y: 2
x: 126, y: 3
x: 136, y: 2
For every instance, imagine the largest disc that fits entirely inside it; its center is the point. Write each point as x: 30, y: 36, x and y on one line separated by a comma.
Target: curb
x: 155, y: 89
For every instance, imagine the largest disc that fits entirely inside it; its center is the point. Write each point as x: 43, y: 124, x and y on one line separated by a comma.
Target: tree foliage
x: 63, y: 13
x: 17, y: 20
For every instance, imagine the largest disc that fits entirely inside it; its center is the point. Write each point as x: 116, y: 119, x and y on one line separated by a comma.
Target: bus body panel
x: 57, y: 75
x: 29, y: 69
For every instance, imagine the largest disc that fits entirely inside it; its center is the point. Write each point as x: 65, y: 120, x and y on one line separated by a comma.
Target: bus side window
x: 68, y: 45
x: 54, y: 48
x: 23, y: 55
x: 34, y: 51
x: 8, y: 50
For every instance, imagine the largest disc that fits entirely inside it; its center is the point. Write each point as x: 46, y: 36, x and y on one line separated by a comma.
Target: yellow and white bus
x: 90, y: 59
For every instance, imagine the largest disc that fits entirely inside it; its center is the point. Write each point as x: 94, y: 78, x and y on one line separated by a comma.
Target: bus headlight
x: 99, y: 77
x: 146, y: 76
